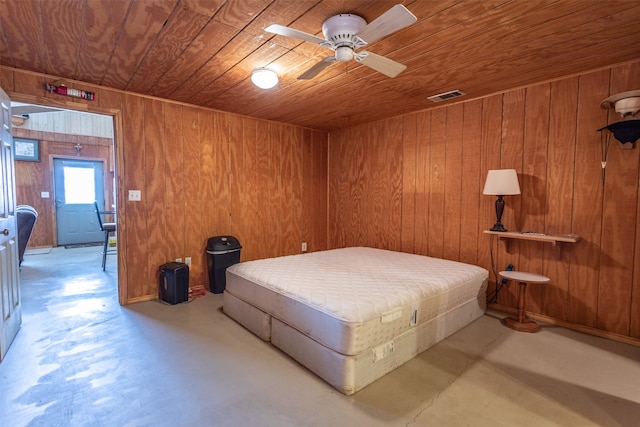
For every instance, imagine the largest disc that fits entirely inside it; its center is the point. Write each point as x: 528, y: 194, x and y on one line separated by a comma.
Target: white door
x: 10, y: 307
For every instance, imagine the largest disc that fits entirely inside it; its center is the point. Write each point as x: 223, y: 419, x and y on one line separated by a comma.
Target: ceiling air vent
x: 446, y: 95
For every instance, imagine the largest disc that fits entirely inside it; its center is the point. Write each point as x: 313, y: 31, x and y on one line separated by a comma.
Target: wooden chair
x: 108, y: 228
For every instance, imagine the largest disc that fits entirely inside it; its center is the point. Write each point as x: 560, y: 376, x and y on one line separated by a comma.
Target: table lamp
x: 501, y: 182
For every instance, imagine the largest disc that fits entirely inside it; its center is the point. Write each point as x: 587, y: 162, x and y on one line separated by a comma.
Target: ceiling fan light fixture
x: 346, y: 33
x: 264, y: 78
x: 341, y: 28
x: 344, y: 54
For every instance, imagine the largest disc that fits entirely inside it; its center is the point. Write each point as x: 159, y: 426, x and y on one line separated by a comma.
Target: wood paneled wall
x: 410, y: 183
x: 414, y: 183
x: 202, y: 173
x: 71, y: 123
x: 33, y: 178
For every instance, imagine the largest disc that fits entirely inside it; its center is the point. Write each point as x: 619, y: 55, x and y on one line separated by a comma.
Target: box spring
x: 351, y: 315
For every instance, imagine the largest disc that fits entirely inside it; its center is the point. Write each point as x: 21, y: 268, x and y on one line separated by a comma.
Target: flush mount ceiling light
x: 264, y: 78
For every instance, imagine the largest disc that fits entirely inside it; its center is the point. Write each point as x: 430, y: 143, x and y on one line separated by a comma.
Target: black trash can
x: 174, y: 282
x: 222, y: 252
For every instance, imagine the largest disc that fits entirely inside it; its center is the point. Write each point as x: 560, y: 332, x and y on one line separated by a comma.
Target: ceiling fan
x: 346, y: 33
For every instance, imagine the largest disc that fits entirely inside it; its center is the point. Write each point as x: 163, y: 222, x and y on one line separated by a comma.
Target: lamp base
x: 499, y: 209
x: 498, y: 227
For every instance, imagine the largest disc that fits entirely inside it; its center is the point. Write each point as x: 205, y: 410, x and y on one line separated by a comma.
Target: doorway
x: 78, y: 184
x: 81, y: 179
x: 75, y: 167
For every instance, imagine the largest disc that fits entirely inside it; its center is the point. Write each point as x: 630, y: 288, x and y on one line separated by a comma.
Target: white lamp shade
x: 501, y: 182
x: 264, y: 78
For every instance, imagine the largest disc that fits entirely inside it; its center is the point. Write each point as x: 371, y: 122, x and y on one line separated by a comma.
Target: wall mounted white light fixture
x: 264, y: 78
x: 627, y: 105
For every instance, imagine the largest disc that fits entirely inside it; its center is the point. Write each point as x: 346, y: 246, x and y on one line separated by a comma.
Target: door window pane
x: 79, y: 185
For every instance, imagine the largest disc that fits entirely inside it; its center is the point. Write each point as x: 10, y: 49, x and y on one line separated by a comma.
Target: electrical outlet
x: 135, y: 195
x: 304, y: 246
x: 178, y: 259
x: 187, y: 261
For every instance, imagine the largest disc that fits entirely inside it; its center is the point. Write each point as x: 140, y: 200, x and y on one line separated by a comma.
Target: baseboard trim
x: 141, y: 299
x: 573, y: 326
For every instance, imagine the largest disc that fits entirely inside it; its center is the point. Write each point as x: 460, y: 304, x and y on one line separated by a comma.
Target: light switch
x: 135, y: 195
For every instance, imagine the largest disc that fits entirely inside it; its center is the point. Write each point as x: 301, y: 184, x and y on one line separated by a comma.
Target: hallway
x: 82, y: 360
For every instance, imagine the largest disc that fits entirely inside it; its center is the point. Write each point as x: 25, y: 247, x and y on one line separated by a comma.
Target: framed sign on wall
x: 26, y: 149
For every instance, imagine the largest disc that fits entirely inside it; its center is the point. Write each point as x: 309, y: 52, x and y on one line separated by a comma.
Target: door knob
x: 5, y: 231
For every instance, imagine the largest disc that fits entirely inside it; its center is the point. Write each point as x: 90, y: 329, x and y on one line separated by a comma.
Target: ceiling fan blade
x: 394, y: 19
x: 290, y: 32
x: 379, y: 63
x: 317, y: 68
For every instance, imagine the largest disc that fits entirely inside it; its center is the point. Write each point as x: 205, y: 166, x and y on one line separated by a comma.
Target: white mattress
x: 354, y: 299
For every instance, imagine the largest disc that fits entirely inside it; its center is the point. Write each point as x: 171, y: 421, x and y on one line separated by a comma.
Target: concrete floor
x: 82, y: 360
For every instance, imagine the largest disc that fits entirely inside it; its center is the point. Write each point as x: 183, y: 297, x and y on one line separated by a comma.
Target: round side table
x: 521, y: 323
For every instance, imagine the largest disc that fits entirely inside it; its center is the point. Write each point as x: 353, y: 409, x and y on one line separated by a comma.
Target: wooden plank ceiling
x: 203, y: 51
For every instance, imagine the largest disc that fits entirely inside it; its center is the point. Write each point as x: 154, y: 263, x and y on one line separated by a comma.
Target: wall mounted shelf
x: 540, y: 237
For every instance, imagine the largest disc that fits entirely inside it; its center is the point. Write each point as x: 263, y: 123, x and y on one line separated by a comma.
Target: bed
x: 352, y: 315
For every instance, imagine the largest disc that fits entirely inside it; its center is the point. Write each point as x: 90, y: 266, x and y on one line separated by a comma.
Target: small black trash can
x: 174, y: 282
x: 222, y: 252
